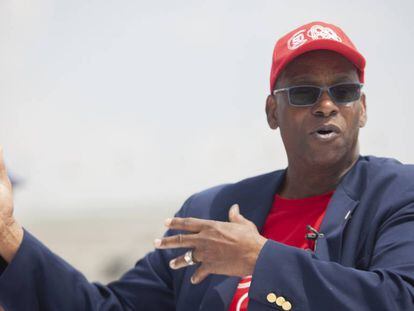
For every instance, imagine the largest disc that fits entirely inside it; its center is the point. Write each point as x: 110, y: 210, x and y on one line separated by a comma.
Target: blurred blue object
x: 15, y: 180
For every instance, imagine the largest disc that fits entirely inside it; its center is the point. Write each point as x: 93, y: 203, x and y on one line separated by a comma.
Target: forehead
x: 318, y: 67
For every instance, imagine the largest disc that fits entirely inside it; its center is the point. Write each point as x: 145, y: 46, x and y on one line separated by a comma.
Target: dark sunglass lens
x: 345, y: 93
x: 303, y: 95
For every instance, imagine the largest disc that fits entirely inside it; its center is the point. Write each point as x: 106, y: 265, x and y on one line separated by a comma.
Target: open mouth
x: 326, y: 132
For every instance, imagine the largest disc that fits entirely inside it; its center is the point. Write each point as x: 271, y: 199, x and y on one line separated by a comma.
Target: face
x: 325, y: 133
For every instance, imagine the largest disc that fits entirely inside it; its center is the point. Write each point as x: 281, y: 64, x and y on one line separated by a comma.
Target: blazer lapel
x: 255, y: 200
x: 340, y: 209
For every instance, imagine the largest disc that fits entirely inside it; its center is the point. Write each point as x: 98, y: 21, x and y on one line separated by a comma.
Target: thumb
x: 4, y: 178
x: 235, y: 216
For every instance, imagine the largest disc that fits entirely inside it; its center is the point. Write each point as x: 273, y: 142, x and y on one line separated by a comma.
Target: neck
x: 304, y: 180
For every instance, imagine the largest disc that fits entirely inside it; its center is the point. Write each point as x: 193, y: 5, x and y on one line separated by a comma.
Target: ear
x: 363, y: 112
x: 271, y: 112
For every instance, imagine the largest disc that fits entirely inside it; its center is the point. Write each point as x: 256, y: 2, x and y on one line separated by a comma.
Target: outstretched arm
x: 33, y: 278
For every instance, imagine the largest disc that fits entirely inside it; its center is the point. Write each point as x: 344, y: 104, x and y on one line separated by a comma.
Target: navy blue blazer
x: 365, y: 261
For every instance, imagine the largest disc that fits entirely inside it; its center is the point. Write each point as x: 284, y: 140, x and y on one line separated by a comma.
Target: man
x: 333, y: 231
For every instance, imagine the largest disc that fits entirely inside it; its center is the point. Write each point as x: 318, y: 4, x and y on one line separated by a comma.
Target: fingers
x: 3, y: 171
x: 200, y: 274
x: 188, y: 224
x: 180, y: 261
x: 235, y: 216
x: 4, y: 178
x: 176, y: 241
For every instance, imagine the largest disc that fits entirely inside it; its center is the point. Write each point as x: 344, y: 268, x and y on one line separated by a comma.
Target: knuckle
x: 173, y: 222
x: 198, y: 273
x: 198, y: 256
x: 202, y: 240
x: 204, y: 269
x: 213, y: 224
x: 216, y: 225
x: 176, y: 221
x: 185, y: 223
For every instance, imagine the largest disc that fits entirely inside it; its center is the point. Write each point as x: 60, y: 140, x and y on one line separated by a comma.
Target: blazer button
x: 271, y: 297
x: 280, y: 300
x: 286, y: 306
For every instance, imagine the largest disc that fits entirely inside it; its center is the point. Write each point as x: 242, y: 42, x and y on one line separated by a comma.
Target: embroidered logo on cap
x: 297, y: 40
x: 320, y: 32
x: 316, y: 32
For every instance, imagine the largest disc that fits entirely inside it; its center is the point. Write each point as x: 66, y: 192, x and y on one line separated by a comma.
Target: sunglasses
x: 307, y: 95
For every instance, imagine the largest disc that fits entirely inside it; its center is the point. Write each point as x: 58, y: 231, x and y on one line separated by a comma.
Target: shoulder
x: 382, y: 178
x: 386, y: 169
x: 387, y: 164
x: 199, y: 204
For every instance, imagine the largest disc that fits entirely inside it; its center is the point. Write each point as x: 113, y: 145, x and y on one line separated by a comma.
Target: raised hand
x: 229, y: 248
x: 11, y: 233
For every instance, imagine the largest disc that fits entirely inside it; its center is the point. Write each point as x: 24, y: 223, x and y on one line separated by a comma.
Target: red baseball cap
x: 310, y: 37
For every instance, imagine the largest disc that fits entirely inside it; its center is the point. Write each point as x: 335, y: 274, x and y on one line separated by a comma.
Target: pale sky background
x: 109, y: 103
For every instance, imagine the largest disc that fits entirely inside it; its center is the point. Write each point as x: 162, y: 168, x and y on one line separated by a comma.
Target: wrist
x: 261, y: 241
x: 11, y: 237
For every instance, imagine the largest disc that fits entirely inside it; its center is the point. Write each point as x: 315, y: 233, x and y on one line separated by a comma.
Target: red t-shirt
x: 286, y: 223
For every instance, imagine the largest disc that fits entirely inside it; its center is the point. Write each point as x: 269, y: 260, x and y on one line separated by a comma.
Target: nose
x: 325, y: 107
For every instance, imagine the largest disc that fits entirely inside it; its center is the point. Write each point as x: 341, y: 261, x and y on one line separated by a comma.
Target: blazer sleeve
x: 39, y: 280
x: 309, y: 283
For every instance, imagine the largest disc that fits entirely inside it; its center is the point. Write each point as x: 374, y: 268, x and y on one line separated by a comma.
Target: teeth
x: 325, y: 135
